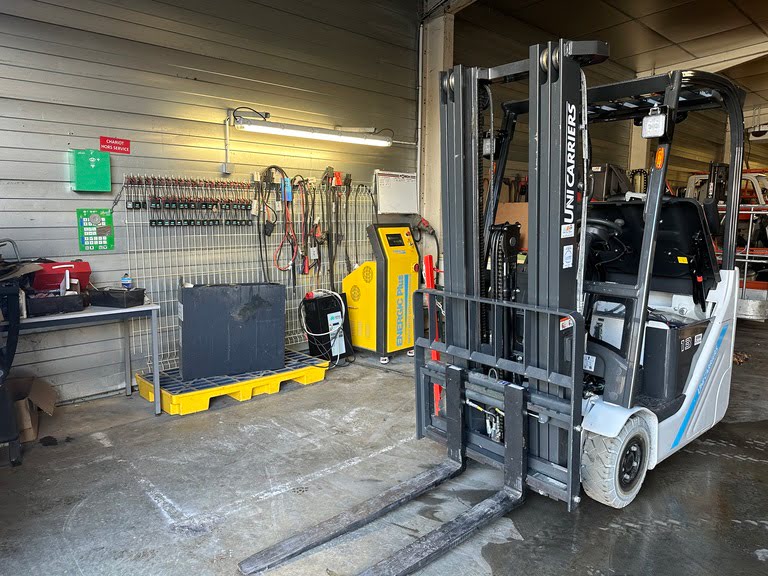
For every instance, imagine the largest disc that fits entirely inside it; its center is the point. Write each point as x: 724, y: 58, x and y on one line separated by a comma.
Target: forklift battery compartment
x: 669, y: 351
x: 671, y: 342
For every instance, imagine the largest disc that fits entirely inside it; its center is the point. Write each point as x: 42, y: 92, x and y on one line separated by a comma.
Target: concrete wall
x: 163, y: 74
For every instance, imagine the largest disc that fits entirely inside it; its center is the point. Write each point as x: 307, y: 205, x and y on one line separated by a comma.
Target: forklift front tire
x: 613, y: 469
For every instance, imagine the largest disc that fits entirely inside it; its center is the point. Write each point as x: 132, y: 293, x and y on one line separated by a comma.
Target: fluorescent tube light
x: 295, y: 131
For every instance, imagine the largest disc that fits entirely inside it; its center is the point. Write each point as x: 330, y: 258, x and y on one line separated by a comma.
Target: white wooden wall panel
x: 163, y: 74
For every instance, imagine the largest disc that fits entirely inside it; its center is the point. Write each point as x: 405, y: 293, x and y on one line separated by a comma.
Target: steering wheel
x: 600, y: 231
x: 615, y: 226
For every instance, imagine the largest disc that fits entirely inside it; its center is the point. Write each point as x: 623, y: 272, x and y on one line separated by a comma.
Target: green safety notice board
x: 95, y: 229
x: 90, y: 171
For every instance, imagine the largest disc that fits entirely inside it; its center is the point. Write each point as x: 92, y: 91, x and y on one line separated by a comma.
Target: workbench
x: 102, y: 315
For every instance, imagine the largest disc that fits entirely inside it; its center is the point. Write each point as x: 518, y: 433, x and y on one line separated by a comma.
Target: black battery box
x: 43, y: 303
x: 231, y: 329
x: 323, y: 314
x: 116, y: 297
x: 668, y: 357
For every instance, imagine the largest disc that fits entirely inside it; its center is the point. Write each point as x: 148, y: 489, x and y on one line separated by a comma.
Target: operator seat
x: 684, y: 263
x: 684, y: 250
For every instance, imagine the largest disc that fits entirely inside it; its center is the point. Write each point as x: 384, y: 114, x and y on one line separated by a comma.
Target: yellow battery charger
x: 380, y: 292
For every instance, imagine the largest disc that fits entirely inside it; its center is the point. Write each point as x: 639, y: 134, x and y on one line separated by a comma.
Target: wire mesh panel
x: 224, y: 232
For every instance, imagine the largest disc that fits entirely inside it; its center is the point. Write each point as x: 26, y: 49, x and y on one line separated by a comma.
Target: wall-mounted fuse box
x: 90, y: 171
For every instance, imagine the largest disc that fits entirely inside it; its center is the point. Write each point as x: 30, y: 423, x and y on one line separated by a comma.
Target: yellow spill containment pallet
x: 179, y: 396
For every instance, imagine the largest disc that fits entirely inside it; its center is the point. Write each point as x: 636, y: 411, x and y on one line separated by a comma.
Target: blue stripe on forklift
x: 700, y: 387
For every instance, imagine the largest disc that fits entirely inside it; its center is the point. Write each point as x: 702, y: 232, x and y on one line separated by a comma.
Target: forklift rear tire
x: 613, y: 469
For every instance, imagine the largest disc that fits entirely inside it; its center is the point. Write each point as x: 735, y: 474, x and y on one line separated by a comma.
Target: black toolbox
x: 45, y: 303
x: 116, y: 297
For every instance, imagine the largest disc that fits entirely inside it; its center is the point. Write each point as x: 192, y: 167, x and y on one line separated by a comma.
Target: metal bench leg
x: 127, y: 357
x: 156, y: 361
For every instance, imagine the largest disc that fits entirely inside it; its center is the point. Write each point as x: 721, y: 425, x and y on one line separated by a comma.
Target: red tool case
x: 52, y: 273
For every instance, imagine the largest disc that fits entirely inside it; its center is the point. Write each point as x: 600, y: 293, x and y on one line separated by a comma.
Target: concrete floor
x: 124, y: 492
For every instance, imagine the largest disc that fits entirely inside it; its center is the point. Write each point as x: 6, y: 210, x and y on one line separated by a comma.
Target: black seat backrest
x: 683, y: 237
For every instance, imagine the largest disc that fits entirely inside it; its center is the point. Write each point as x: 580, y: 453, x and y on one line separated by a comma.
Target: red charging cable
x: 290, y: 235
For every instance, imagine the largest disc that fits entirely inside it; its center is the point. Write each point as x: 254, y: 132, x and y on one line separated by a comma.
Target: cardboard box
x: 515, y: 212
x: 41, y: 396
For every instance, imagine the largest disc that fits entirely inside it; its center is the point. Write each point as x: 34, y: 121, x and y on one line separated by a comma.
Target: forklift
x: 604, y: 351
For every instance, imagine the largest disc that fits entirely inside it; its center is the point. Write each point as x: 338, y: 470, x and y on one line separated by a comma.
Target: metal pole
x: 127, y: 359
x: 624, y: 394
x: 156, y: 362
x: 746, y: 253
x: 418, y: 117
x: 585, y: 196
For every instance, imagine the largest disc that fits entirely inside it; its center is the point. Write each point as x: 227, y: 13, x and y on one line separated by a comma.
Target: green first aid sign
x: 90, y: 171
x: 95, y: 229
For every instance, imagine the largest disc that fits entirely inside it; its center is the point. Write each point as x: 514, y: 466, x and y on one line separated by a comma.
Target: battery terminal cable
x: 422, y: 226
x: 285, y: 201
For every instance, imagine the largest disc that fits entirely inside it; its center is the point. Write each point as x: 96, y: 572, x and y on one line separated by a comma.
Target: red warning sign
x: 116, y: 145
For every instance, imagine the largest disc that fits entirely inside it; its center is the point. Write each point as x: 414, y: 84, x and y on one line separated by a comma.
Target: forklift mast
x: 555, y: 187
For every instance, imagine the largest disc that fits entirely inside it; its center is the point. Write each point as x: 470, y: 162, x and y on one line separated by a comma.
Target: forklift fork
x: 436, y: 543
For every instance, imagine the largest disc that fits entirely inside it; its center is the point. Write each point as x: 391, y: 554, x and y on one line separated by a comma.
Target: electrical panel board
x: 398, y: 192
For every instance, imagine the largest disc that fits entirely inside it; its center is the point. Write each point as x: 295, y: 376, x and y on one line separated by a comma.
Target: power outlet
x: 313, y: 253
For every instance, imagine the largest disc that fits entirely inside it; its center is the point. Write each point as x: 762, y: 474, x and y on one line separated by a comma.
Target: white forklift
x: 600, y: 353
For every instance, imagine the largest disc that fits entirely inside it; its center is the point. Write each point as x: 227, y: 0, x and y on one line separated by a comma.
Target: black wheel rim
x: 631, y: 463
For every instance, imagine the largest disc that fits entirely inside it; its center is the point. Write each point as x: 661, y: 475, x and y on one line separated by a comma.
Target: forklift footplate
x: 350, y: 520
x: 181, y: 397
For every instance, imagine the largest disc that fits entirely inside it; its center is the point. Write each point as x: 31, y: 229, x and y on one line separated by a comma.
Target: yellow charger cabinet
x: 380, y: 292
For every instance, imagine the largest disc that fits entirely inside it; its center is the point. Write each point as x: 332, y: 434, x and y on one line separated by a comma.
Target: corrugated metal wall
x: 163, y: 74
x: 483, y: 41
